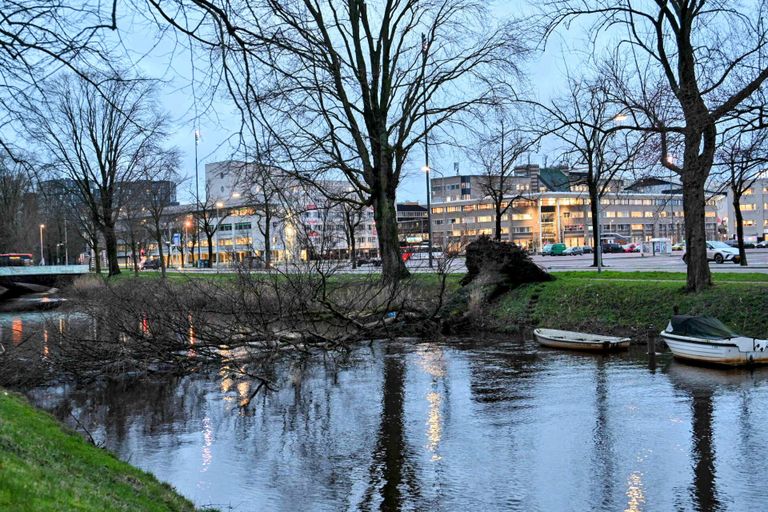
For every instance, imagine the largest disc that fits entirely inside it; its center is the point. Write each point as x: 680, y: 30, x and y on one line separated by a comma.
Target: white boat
x: 555, y: 338
x: 706, y: 340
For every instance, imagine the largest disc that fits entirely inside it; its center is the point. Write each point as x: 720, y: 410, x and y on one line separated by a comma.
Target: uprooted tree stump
x: 493, y: 268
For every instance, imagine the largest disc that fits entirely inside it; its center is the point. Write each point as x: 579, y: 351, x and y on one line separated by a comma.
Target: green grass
x: 639, y: 304
x: 45, y: 468
x: 717, y: 277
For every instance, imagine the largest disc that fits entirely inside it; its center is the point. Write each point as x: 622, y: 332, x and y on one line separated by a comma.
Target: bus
x: 420, y: 251
x: 16, y: 260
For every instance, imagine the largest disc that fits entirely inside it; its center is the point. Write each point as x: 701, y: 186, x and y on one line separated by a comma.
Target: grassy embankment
x: 45, y: 468
x: 638, y: 303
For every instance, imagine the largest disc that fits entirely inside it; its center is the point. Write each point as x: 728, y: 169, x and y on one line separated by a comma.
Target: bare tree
x: 209, y: 215
x: 351, y: 88
x: 94, y: 137
x: 352, y: 217
x: 40, y: 36
x: 584, y: 121
x: 496, y: 152
x: 741, y: 158
x: 689, y: 65
x: 18, y: 214
x: 158, y: 174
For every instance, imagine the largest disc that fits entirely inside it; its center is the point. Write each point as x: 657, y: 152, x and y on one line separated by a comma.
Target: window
x: 522, y: 216
x: 710, y: 214
x: 225, y: 227
x: 610, y: 215
x: 649, y: 214
x: 485, y: 218
x: 636, y: 215
x: 748, y: 192
x: 637, y: 227
x: 748, y: 207
x: 243, y: 225
x: 749, y: 223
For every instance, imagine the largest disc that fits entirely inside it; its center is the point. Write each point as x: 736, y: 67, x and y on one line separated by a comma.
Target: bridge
x: 15, y: 281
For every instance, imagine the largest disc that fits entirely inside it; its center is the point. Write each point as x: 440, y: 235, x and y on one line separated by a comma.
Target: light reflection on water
x: 454, y: 426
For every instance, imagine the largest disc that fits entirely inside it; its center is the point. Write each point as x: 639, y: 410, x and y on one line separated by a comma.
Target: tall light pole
x: 66, y: 244
x: 219, y: 205
x: 424, y: 51
x: 42, y: 256
x: 197, y: 194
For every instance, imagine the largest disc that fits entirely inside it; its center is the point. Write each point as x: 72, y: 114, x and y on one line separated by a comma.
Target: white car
x: 762, y: 245
x: 719, y: 252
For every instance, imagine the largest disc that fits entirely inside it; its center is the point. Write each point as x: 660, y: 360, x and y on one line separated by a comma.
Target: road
x: 629, y: 262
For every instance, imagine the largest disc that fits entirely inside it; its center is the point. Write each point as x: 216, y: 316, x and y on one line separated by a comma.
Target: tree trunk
x: 268, y: 242
x: 352, y: 247
x: 739, y: 228
x: 95, y: 247
x: 210, y: 250
x: 159, y: 240
x: 594, y: 203
x: 385, y: 217
x: 110, y: 240
x: 699, y: 276
x: 497, y: 235
x: 134, y: 256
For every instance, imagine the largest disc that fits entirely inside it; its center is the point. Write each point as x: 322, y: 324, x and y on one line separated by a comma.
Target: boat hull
x: 568, y: 340
x: 712, y: 352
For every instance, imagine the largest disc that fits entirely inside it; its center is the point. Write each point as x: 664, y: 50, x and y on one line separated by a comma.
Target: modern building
x: 754, y: 211
x: 551, y: 205
x: 245, y: 203
x: 412, y: 222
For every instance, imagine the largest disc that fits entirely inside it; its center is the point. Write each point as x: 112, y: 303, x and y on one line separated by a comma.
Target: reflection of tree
x: 704, y: 491
x: 603, y: 441
x: 390, y: 467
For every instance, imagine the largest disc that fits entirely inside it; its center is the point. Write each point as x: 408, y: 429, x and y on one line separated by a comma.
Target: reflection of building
x: 552, y: 205
x: 754, y: 205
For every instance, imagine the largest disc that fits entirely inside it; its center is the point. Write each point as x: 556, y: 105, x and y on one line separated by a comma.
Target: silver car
x: 719, y: 252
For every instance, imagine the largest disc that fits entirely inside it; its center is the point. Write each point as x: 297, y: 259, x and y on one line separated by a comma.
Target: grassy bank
x: 43, y: 467
x: 637, y: 303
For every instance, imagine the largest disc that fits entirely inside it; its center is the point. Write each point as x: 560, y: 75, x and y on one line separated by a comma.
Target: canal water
x: 475, y: 424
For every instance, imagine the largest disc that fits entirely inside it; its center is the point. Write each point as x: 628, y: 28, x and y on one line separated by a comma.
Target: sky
x: 184, y: 98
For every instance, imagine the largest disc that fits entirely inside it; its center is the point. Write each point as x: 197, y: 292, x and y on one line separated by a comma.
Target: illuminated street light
x: 42, y: 257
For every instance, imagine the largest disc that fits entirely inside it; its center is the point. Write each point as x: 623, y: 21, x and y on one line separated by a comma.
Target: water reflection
x: 495, y: 425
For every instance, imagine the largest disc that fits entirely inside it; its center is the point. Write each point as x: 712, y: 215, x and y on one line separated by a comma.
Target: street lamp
x: 187, y: 225
x: 219, y: 205
x: 42, y: 256
x: 429, y: 216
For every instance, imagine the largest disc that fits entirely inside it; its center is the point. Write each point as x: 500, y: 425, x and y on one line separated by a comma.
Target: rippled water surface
x: 464, y: 425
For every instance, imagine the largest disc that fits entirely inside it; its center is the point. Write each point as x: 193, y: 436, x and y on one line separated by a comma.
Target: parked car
x: 719, y: 252
x: 609, y: 247
x: 586, y: 249
x: 151, y: 264
x: 631, y: 247
x: 762, y: 245
x: 573, y: 251
x: 735, y: 243
x: 679, y: 246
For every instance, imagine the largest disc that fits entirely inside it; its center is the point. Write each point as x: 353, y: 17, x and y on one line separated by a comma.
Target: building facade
x: 754, y: 211
x: 552, y: 206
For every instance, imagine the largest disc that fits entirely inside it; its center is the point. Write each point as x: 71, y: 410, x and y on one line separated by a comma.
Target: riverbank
x: 629, y: 303
x: 46, y: 468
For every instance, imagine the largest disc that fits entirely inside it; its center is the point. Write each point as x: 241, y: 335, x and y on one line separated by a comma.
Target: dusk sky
x: 171, y: 61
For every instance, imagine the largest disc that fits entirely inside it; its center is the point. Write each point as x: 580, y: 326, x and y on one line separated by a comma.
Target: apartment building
x: 754, y: 211
x: 555, y: 208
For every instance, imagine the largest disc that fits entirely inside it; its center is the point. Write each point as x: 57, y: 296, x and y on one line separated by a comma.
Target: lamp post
x: 219, y: 205
x: 424, y: 52
x: 66, y: 244
x: 187, y: 225
x: 197, y: 194
x: 42, y: 256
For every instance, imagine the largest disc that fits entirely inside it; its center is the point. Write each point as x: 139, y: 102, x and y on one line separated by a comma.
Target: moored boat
x: 571, y: 340
x: 707, y: 340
